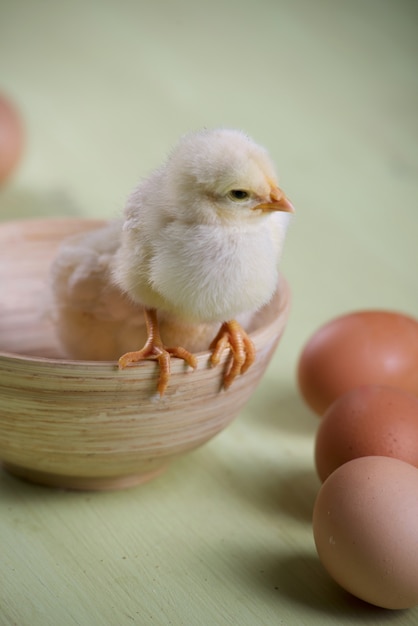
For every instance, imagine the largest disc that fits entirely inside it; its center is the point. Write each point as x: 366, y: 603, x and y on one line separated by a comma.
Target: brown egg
x: 11, y: 138
x: 367, y: 421
x: 366, y: 532
x: 361, y: 348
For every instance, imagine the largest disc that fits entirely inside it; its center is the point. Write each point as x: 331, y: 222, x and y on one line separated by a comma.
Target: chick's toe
x: 232, y: 335
x: 154, y: 348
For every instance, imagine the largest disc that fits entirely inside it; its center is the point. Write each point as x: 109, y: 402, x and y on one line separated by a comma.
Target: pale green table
x: 106, y: 87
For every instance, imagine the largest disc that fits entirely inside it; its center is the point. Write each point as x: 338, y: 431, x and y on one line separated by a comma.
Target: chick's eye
x: 238, y: 194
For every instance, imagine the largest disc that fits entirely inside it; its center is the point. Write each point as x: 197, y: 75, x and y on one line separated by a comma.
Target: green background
x: 105, y: 89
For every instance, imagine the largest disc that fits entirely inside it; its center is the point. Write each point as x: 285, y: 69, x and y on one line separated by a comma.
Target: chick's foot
x: 232, y: 335
x: 155, y: 349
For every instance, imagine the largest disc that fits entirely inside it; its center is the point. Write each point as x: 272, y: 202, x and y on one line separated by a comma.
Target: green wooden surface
x: 106, y: 88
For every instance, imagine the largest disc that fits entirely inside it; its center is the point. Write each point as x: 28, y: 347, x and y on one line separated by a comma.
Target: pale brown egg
x: 366, y: 421
x: 366, y: 532
x: 360, y: 348
x: 11, y: 138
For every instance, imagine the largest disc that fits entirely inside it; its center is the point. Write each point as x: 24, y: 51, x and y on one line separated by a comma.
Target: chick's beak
x: 278, y: 202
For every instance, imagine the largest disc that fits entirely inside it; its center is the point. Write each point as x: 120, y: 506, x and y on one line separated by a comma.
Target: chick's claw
x: 232, y: 335
x: 155, y: 349
x: 163, y: 356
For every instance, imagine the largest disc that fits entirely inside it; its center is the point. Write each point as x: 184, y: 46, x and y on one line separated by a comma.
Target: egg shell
x: 360, y: 348
x: 11, y: 138
x: 366, y: 532
x: 366, y: 421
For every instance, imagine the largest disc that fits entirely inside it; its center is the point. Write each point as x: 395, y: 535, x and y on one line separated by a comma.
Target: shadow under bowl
x: 85, y: 424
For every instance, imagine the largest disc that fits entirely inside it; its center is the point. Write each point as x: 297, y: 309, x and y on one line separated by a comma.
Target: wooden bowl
x: 85, y: 424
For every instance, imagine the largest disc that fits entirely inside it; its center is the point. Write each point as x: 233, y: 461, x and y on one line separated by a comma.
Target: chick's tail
x: 93, y: 319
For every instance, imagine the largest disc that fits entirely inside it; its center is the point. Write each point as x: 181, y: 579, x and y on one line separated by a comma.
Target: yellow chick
x: 198, y: 249
x: 201, y: 240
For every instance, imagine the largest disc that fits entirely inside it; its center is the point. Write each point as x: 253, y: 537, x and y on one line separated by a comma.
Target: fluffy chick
x: 198, y: 248
x: 201, y: 241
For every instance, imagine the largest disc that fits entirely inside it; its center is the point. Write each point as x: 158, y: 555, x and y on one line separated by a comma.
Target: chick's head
x: 222, y: 176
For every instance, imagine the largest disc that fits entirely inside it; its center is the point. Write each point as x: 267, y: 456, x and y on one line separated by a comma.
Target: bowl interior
x: 27, y: 250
